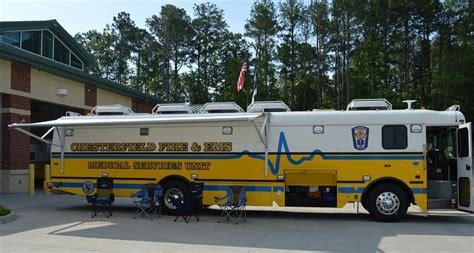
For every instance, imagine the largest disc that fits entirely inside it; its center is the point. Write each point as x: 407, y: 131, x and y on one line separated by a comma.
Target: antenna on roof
x: 409, y: 104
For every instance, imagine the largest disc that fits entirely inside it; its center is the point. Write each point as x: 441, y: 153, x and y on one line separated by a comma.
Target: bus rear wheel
x: 171, y: 190
x: 387, y: 203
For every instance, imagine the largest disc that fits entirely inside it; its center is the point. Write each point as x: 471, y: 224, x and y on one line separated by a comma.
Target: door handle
x: 468, y: 167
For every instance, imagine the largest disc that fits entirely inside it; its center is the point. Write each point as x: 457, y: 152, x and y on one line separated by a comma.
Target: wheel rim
x: 388, y: 203
x: 172, y: 193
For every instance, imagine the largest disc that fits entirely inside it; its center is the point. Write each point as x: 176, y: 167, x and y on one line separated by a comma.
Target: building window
x: 394, y: 137
x: 61, y: 53
x: 31, y: 41
x: 75, y: 62
x: 47, y: 44
x: 11, y: 38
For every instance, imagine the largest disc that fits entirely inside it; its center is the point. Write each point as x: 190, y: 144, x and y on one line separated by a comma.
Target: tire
x: 170, y: 189
x: 364, y: 204
x: 387, y: 203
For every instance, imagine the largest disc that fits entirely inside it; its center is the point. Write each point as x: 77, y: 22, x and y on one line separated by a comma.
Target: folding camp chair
x: 104, y: 197
x: 195, y: 198
x: 191, y: 206
x: 144, y: 203
x: 235, y: 208
x: 227, y: 208
x: 241, y: 207
x: 157, y: 196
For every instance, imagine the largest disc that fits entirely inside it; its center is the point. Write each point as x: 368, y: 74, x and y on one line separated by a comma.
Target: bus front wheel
x: 171, y: 190
x: 387, y: 203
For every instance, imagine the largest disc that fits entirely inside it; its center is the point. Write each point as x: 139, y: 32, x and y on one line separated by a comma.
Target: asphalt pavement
x: 62, y: 223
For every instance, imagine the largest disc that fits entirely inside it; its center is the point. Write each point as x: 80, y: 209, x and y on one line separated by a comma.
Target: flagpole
x: 255, y: 83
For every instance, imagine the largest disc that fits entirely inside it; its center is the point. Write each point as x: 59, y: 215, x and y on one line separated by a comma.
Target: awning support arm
x: 48, y: 132
x: 262, y: 134
x: 35, y: 136
x: 61, y: 135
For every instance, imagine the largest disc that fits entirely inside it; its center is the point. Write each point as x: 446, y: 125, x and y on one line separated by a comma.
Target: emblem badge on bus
x: 360, y: 137
x: 88, y: 187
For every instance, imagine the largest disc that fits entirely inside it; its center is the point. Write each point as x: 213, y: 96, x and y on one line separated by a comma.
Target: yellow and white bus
x: 385, y: 159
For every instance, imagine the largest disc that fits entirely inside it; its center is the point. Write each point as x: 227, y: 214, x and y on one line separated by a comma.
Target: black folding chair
x: 191, y: 206
x: 196, y: 191
x: 103, y: 199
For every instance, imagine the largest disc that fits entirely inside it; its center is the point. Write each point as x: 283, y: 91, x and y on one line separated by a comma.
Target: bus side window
x: 394, y: 137
x: 463, y: 142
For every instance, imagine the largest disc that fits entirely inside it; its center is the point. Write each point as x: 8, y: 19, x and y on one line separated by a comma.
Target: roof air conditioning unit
x: 375, y: 104
x: 268, y: 106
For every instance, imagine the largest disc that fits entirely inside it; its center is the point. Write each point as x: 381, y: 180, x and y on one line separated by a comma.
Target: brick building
x: 41, y: 77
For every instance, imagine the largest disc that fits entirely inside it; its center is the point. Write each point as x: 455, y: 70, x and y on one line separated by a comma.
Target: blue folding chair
x: 144, y: 203
x: 241, y: 208
x: 227, y: 208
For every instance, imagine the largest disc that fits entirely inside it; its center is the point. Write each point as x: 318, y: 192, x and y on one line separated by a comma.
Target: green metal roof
x: 56, y: 29
x: 13, y: 53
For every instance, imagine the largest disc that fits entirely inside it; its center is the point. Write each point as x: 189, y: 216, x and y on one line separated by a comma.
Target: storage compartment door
x: 302, y: 177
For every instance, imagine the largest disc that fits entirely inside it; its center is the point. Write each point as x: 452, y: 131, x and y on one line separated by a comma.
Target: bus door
x: 465, y: 169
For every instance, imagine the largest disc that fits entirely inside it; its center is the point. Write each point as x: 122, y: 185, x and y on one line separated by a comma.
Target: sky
x: 84, y: 15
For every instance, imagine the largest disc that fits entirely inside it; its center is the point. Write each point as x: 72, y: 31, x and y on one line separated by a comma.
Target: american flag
x: 243, y: 71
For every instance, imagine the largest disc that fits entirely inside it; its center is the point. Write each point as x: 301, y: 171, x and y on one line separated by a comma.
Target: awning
x: 139, y: 120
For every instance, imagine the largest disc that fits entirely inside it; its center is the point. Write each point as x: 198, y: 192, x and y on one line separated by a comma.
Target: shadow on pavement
x: 282, y: 229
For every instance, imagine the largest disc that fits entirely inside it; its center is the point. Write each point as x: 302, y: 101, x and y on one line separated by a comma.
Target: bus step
x: 432, y: 194
x: 439, y: 203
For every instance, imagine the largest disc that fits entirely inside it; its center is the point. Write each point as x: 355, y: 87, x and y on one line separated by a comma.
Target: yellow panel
x: 304, y: 177
x: 312, y: 172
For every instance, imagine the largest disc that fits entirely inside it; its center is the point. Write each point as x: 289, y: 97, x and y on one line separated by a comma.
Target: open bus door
x: 465, y: 170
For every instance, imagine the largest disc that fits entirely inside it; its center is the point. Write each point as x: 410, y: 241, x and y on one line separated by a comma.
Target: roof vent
x: 454, y: 108
x: 268, y: 106
x: 369, y: 104
x: 72, y: 114
x: 221, y: 107
x: 107, y: 110
x: 172, y: 108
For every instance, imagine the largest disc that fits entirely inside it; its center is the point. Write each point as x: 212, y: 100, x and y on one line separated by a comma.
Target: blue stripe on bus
x: 247, y: 188
x: 140, y: 186
x: 345, y: 190
x: 419, y: 190
x: 352, y: 190
x: 79, y: 185
x: 278, y: 188
x: 235, y: 156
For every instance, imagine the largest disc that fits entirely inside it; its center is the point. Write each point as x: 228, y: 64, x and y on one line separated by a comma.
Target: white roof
x: 140, y: 120
x: 428, y: 117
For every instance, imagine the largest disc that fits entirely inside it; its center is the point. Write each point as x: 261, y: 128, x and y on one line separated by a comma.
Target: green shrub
x: 4, y: 211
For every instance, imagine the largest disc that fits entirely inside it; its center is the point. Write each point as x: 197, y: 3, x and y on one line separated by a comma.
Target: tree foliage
x: 320, y: 54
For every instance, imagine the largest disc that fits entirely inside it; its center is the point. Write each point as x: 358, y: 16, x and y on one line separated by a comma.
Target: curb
x: 8, y: 218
